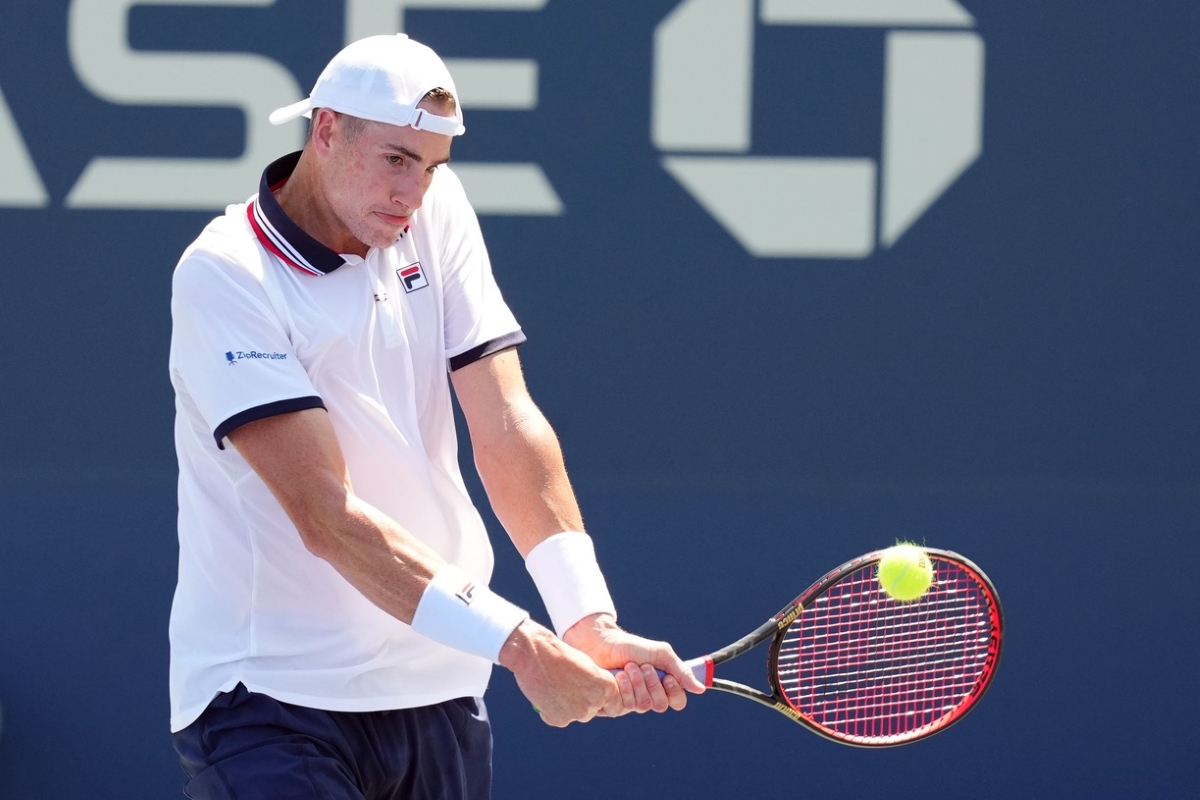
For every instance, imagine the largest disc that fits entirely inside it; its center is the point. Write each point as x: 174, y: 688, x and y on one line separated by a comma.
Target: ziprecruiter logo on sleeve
x: 234, y: 356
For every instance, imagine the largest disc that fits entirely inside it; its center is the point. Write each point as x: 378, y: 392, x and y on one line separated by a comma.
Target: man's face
x: 376, y: 179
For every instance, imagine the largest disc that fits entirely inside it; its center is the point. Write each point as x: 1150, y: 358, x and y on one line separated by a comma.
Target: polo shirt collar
x: 276, y: 230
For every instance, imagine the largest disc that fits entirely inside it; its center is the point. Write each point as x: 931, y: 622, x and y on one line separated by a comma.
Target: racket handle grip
x: 701, y: 668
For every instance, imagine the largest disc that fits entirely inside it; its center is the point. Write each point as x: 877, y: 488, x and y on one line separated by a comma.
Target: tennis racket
x: 853, y: 665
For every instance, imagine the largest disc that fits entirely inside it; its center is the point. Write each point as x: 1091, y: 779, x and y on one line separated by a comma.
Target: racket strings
x: 865, y: 666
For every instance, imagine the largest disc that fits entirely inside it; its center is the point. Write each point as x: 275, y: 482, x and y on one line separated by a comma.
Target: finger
x: 642, y: 701
x: 654, y: 687
x: 684, y: 676
x: 627, y: 698
x: 688, y: 680
x: 676, y: 694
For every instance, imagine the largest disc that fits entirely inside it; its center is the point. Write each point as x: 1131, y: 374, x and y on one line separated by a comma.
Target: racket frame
x: 777, y: 625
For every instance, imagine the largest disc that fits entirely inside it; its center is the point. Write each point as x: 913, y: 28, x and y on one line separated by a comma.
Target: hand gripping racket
x: 853, y: 665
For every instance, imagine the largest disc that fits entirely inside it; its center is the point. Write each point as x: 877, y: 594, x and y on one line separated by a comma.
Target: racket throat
x: 702, y: 669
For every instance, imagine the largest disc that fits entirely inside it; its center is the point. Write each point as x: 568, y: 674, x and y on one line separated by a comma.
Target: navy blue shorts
x: 250, y: 746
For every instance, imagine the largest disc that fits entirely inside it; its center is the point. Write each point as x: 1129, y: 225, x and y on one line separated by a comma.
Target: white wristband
x: 569, y: 580
x: 460, y: 613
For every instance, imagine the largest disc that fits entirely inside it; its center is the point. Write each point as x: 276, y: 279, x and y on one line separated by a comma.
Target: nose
x: 409, y: 190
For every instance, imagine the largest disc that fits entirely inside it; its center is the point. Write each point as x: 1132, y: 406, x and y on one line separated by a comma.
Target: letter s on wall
x: 98, y: 40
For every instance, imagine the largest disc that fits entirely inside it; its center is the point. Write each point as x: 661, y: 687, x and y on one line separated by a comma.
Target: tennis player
x: 332, y: 631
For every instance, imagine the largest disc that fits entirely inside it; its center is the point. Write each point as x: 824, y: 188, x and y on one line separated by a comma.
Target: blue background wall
x: 1015, y: 379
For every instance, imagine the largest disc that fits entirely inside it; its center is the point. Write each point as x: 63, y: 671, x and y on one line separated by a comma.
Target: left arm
x: 516, y: 452
x: 521, y: 464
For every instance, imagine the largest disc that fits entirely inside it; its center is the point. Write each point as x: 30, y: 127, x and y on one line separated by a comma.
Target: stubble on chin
x: 378, y: 234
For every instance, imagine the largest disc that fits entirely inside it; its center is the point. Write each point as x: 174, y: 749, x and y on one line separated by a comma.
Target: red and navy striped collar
x: 276, y: 230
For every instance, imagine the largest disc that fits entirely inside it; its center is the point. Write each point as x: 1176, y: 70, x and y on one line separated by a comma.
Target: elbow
x: 317, y: 539
x: 522, y: 429
x: 320, y: 518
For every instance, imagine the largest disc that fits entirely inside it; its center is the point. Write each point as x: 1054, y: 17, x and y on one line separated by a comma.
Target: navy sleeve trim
x: 486, y: 349
x: 262, y: 412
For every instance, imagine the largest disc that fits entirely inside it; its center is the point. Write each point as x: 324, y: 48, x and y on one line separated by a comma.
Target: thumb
x: 692, y: 675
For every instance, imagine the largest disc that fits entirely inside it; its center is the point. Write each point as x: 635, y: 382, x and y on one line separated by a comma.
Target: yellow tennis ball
x: 905, y: 572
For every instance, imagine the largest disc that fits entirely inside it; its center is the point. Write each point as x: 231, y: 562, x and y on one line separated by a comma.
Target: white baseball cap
x: 381, y: 78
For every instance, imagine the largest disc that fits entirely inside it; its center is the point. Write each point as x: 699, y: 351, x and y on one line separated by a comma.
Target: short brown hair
x: 442, y: 97
x: 352, y: 127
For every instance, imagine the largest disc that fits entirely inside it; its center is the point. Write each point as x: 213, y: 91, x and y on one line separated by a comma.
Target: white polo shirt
x: 267, y: 320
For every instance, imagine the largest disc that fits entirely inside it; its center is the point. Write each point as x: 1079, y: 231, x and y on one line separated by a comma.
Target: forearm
x: 521, y: 465
x: 523, y: 472
x: 519, y: 459
x: 407, y: 579
x: 298, y: 457
x: 383, y: 561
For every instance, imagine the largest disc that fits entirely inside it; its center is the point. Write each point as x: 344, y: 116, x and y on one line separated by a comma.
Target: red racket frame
x: 865, y: 696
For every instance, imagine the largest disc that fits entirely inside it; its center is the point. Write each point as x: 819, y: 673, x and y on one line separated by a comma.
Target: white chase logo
x: 783, y: 207
x: 105, y: 62
x: 817, y: 207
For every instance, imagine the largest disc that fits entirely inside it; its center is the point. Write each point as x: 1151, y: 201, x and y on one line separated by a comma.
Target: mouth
x: 392, y: 219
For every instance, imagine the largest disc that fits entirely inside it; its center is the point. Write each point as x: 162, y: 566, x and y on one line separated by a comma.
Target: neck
x: 302, y: 200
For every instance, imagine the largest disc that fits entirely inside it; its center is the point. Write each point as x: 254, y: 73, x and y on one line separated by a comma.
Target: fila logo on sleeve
x: 413, y: 277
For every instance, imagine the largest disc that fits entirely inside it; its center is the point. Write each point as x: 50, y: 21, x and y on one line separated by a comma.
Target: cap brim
x: 289, y: 113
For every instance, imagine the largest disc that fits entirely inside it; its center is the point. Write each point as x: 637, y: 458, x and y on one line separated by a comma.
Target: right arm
x: 298, y: 457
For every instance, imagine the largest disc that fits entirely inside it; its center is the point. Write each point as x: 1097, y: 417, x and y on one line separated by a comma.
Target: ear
x: 325, y: 128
